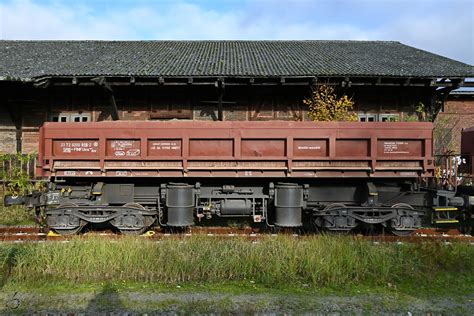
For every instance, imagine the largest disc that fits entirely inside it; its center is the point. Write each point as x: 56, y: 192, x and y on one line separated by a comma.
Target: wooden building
x: 78, y: 81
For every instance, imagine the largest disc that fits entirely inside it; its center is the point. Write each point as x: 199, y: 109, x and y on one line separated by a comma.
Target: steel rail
x: 36, y: 234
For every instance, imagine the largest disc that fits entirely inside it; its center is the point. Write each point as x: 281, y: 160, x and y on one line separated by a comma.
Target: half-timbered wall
x: 191, y: 102
x: 7, y: 132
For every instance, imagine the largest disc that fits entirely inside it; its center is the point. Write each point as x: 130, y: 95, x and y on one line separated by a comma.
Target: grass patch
x: 216, y: 275
x: 221, y: 298
x: 16, y: 215
x: 316, y: 262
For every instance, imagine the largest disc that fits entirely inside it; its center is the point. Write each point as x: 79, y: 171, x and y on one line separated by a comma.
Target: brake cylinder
x: 180, y: 204
x: 288, y: 205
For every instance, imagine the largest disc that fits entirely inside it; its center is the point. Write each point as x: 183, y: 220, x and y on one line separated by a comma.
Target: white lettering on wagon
x: 122, y: 148
x: 395, y: 147
x: 309, y: 147
x: 165, y: 146
x: 121, y: 144
x: 79, y: 147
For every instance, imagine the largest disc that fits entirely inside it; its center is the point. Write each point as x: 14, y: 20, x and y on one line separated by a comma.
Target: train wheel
x: 401, y: 232
x: 336, y: 231
x: 132, y: 224
x: 133, y: 232
x: 68, y: 231
x: 465, y: 228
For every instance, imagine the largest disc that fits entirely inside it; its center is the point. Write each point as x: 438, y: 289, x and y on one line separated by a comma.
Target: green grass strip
x: 316, y: 261
x: 15, y: 215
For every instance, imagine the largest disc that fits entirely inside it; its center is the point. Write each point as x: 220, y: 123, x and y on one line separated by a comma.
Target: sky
x: 444, y: 27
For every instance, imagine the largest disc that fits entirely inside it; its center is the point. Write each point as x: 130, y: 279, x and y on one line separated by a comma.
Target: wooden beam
x: 359, y: 84
x: 102, y: 82
x: 63, y: 84
x: 442, y: 95
x: 268, y: 81
x: 220, y: 96
x: 287, y: 83
x: 43, y: 83
x: 216, y: 102
x: 326, y: 84
x: 113, y: 105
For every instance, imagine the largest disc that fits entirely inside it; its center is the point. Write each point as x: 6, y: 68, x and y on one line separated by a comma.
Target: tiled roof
x: 32, y: 59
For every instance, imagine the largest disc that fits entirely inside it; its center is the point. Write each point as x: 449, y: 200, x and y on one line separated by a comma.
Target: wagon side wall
x: 236, y: 149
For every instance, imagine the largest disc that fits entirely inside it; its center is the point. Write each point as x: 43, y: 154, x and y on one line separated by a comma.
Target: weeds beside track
x: 16, y: 215
x: 317, y: 261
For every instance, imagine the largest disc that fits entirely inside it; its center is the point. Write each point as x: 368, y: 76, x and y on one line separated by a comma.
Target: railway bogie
x: 133, y: 207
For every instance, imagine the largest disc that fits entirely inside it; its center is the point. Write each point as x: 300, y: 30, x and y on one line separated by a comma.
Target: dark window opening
x: 70, y: 117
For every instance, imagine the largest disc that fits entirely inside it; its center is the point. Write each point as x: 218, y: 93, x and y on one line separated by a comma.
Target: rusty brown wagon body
x: 466, y: 217
x: 236, y: 149
x: 467, y: 149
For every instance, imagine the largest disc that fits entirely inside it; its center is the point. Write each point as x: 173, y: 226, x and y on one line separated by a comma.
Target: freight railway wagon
x: 333, y: 176
x: 466, y: 217
x: 467, y: 151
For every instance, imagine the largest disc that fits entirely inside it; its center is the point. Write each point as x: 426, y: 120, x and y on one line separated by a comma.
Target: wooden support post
x: 113, y: 105
x: 101, y: 81
x: 313, y: 85
x: 19, y: 139
x: 442, y: 95
x: 220, y: 96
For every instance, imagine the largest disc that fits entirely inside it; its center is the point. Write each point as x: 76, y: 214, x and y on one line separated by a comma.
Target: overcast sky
x: 445, y: 27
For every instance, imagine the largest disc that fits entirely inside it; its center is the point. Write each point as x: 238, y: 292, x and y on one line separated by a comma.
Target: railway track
x: 36, y: 234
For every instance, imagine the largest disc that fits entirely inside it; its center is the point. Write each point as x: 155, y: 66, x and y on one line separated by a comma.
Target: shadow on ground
x: 108, y: 300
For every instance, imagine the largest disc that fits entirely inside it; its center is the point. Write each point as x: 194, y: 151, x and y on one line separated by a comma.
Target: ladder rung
x: 446, y: 221
x: 445, y: 209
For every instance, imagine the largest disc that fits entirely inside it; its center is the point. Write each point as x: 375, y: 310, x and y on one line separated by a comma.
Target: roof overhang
x: 344, y: 81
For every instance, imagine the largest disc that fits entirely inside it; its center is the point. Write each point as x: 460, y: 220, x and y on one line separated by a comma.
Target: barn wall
x: 192, y: 102
x: 7, y: 132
